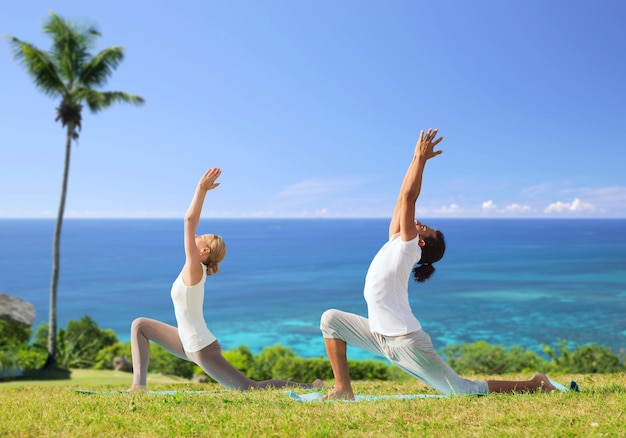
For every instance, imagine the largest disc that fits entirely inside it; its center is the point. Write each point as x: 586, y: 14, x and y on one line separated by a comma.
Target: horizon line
x: 309, y: 217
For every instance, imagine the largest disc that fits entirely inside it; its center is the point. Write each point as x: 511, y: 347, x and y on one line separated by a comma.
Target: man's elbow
x: 409, y: 196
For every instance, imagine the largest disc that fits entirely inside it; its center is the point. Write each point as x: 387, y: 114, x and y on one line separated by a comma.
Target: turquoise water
x: 509, y: 282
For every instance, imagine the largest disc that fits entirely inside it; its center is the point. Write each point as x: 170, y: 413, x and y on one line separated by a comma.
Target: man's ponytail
x: 432, y: 251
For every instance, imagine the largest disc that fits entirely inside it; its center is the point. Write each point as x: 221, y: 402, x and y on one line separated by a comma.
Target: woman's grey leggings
x: 210, y: 359
x: 414, y: 353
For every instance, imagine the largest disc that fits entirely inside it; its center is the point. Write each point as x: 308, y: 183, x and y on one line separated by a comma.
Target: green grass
x: 52, y: 408
x: 87, y: 379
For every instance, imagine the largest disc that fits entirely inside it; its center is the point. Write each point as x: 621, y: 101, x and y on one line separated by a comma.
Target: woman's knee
x: 138, y: 324
x: 153, y: 330
x: 211, y: 352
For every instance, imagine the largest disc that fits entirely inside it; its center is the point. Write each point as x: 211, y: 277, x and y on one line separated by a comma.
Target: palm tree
x: 69, y: 71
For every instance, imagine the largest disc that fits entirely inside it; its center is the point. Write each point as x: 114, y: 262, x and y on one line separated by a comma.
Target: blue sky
x: 312, y: 109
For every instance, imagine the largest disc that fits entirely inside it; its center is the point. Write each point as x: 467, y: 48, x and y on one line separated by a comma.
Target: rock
x: 122, y: 364
x: 16, y: 311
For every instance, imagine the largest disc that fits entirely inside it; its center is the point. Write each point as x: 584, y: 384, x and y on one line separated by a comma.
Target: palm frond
x: 70, y: 46
x: 39, y: 65
x: 99, y: 100
x: 69, y: 70
x: 99, y: 68
x: 112, y: 97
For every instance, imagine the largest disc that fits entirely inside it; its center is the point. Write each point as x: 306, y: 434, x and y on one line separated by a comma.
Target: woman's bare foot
x: 543, y: 383
x: 137, y: 388
x: 336, y: 394
x: 317, y: 383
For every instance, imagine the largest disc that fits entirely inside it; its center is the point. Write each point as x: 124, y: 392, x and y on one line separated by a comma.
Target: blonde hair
x: 216, y: 255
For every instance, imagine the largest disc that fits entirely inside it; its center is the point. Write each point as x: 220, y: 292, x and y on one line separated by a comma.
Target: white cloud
x: 517, y: 208
x: 450, y: 209
x: 557, y: 207
x: 575, y: 206
x: 489, y: 206
x: 578, y: 205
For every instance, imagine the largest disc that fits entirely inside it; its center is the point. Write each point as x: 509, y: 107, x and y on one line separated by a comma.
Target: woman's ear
x: 205, y: 250
x: 421, y: 243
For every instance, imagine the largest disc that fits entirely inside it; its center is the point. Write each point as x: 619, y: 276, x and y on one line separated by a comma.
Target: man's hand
x: 426, y: 144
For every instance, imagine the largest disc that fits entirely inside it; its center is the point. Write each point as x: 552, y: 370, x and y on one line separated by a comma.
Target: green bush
x: 368, y: 369
x: 8, y: 359
x: 32, y: 357
x: 265, y: 361
x: 80, y: 342
x: 523, y: 361
x: 161, y: 361
x: 241, y: 358
x: 164, y: 362
x: 14, y: 345
x: 298, y: 369
x: 398, y: 375
x: 279, y: 362
x: 586, y: 359
x: 104, y: 357
x: 483, y: 358
x: 12, y: 335
x: 83, y: 345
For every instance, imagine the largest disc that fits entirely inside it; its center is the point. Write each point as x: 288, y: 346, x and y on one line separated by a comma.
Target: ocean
x: 505, y: 281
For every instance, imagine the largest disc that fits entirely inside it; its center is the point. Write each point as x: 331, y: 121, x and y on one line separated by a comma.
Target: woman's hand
x: 426, y: 144
x: 207, y: 182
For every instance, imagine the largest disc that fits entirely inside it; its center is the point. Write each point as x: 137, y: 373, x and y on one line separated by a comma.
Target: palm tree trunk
x: 51, y: 361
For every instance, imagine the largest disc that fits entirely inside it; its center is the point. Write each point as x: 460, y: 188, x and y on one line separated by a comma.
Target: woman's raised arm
x: 192, y: 271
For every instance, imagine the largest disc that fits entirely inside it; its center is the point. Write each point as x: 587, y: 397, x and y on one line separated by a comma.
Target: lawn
x: 53, y: 408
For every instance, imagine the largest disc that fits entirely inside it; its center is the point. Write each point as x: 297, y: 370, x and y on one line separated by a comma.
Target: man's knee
x: 328, y: 322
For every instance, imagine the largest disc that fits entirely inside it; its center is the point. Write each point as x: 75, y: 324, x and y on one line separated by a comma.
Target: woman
x: 391, y: 330
x: 192, y: 340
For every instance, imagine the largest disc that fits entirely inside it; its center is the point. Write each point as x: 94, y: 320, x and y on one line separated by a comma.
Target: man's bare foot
x: 137, y: 388
x: 336, y: 394
x: 317, y: 383
x: 543, y: 383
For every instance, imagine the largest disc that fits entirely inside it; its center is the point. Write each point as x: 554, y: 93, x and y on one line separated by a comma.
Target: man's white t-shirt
x: 386, y: 288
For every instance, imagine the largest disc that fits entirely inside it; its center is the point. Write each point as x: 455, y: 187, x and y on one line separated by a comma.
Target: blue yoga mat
x: 312, y: 396
x: 573, y: 386
x: 168, y: 392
